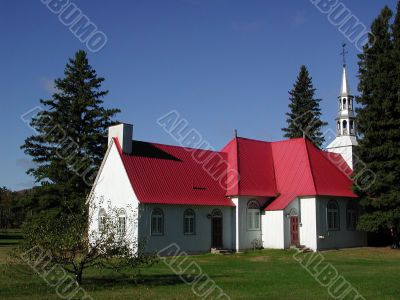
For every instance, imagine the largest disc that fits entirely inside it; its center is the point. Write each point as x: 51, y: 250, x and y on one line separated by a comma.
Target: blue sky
x: 222, y: 64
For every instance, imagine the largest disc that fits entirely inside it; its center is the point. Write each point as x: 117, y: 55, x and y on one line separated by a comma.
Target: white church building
x: 251, y: 192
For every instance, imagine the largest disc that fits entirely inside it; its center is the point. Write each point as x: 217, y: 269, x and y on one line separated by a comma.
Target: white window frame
x: 333, y: 216
x: 121, y: 224
x: 157, y: 222
x: 189, y: 222
x: 102, y: 220
x: 351, y: 216
x: 253, y: 216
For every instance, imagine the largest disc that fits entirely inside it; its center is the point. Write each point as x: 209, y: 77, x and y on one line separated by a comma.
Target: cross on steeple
x: 343, y: 54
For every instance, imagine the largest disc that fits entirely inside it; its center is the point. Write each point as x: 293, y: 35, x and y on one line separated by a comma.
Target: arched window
x: 157, y: 222
x: 340, y: 104
x: 189, y: 222
x: 102, y: 219
x: 216, y: 213
x: 351, y: 126
x: 350, y: 103
x: 338, y: 127
x: 332, y: 214
x: 344, y: 103
x: 344, y: 127
x: 351, y: 216
x: 253, y: 215
x: 121, y: 226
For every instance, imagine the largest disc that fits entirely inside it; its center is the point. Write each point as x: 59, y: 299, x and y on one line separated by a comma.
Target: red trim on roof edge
x: 117, y: 144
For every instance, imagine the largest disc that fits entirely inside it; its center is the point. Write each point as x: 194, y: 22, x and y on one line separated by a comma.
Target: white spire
x: 346, y: 130
x: 345, y: 89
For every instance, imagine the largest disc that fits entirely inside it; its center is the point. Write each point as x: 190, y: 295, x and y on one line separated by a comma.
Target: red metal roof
x: 170, y: 175
x: 301, y: 169
x: 254, y: 164
x: 280, y: 170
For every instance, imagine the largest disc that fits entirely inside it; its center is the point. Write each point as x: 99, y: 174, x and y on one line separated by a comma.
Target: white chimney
x: 124, y: 134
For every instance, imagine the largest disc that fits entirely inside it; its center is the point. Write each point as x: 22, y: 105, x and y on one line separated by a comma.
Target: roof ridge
x: 329, y: 161
x: 269, y: 142
x: 254, y: 140
x: 178, y: 146
x: 310, y: 166
x: 238, y: 164
x: 273, y: 169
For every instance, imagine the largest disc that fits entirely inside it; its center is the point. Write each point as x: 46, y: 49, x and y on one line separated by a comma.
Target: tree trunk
x: 78, y: 276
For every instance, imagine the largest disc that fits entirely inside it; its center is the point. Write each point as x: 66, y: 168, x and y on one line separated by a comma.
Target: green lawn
x: 264, y: 274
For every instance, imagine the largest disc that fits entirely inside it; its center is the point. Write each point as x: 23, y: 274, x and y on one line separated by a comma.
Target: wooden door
x: 294, y: 230
x: 216, y: 228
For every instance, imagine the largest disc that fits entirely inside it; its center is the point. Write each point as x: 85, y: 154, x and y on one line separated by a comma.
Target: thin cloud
x: 24, y: 163
x: 195, y: 2
x: 48, y: 85
x: 24, y: 185
x: 248, y: 26
x: 299, y: 18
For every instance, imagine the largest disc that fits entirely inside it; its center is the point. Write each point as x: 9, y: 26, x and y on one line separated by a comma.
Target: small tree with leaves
x: 67, y: 242
x: 304, y: 115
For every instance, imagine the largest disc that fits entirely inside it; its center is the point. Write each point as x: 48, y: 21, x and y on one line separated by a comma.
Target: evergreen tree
x: 71, y: 137
x: 304, y: 116
x: 379, y: 127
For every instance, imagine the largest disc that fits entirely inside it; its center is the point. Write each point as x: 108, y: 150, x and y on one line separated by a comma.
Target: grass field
x: 263, y: 274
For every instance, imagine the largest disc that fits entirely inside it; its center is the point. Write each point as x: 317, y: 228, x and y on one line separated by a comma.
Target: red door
x: 294, y: 230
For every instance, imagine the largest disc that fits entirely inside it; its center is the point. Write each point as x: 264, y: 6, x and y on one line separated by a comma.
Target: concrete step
x: 302, y: 248
x: 222, y: 251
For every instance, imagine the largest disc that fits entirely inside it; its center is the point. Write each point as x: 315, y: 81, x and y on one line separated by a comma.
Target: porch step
x: 302, y: 248
x: 221, y: 251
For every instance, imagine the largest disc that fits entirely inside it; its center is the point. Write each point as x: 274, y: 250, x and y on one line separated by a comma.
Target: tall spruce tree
x: 304, y: 115
x: 71, y: 137
x: 379, y: 127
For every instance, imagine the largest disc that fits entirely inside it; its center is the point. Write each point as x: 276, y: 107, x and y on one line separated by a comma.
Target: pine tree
x: 379, y: 127
x: 304, y: 116
x: 71, y: 136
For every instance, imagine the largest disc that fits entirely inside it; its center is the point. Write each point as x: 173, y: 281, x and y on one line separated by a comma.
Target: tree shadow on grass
x: 8, y: 244
x: 140, y: 280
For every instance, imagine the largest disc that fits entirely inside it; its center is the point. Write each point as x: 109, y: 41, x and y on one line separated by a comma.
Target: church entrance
x: 294, y: 230
x: 216, y: 228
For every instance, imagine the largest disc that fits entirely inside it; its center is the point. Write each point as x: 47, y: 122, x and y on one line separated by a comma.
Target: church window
x: 189, y: 222
x: 344, y: 103
x: 157, y: 222
x: 351, y: 216
x: 344, y: 127
x: 332, y: 213
x: 102, y: 219
x: 253, y: 215
x: 121, y: 226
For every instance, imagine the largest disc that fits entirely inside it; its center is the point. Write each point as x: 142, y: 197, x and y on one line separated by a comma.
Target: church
x: 249, y: 194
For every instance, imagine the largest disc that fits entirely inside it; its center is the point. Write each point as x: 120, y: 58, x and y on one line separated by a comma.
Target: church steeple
x: 346, y: 135
x: 345, y: 89
x: 346, y: 120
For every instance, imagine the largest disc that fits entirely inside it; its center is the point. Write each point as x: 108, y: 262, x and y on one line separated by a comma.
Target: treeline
x: 12, y: 208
